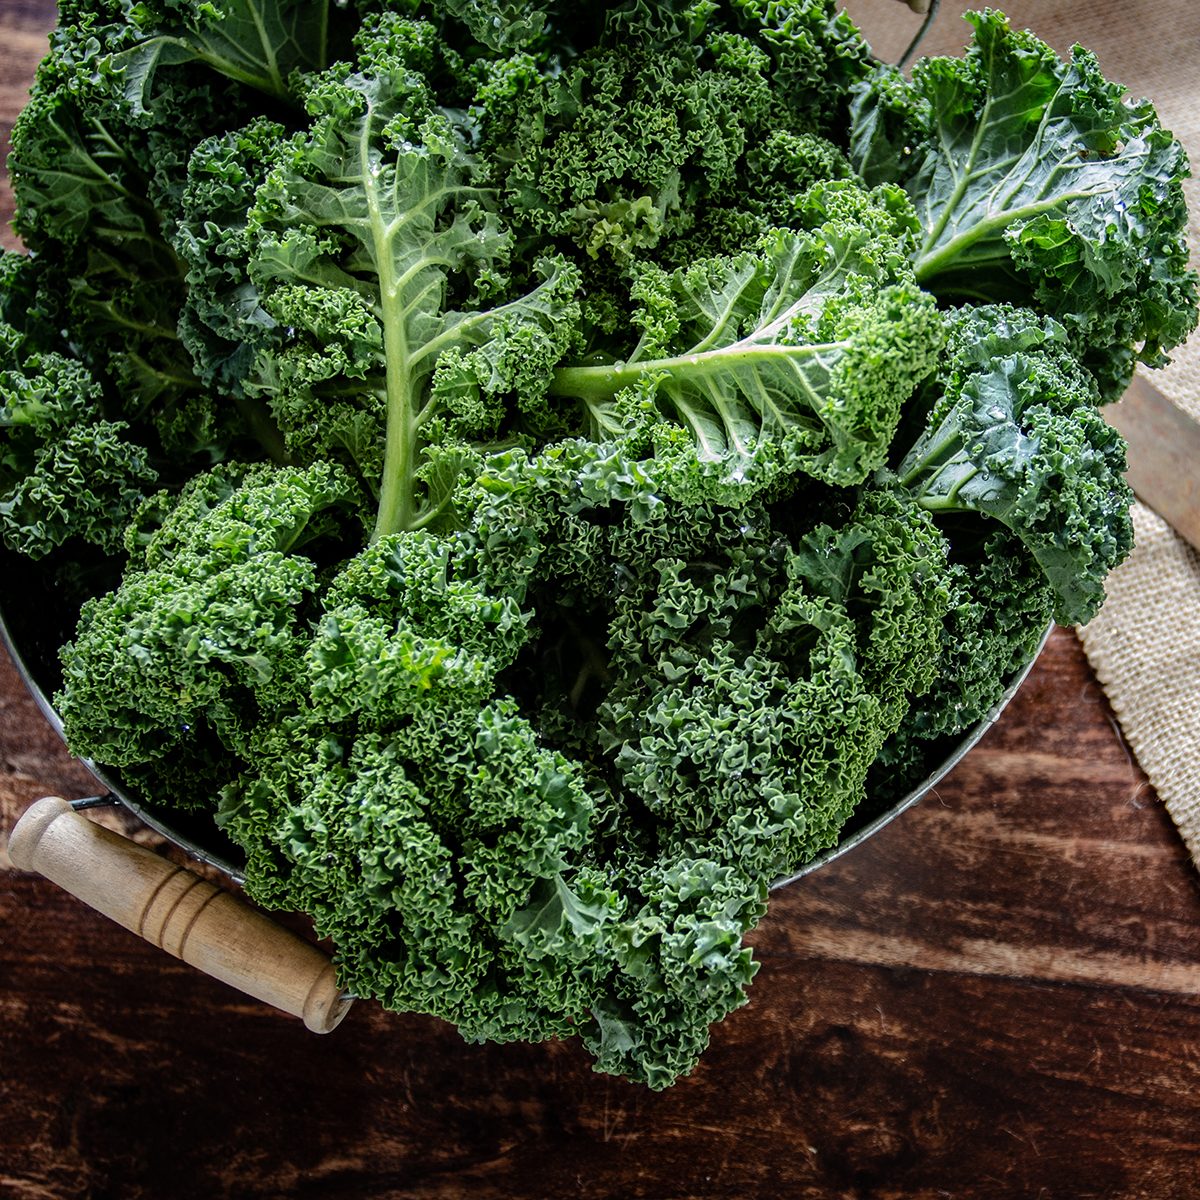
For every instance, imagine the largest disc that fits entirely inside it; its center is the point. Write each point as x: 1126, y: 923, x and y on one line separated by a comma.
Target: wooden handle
x: 177, y: 910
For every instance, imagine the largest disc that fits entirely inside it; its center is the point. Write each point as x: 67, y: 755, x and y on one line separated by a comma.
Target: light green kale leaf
x: 384, y: 263
x: 796, y: 355
x: 258, y: 43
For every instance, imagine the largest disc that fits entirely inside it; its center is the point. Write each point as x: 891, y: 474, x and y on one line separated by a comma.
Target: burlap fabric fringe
x: 1145, y: 643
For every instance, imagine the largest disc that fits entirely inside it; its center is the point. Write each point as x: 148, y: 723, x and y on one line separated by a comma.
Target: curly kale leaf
x: 98, y: 190
x: 797, y: 355
x: 65, y: 471
x: 417, y: 814
x: 680, y: 965
x: 1034, y: 176
x: 1000, y: 604
x: 663, y: 132
x: 379, y: 257
x: 506, y: 25
x: 618, y: 151
x: 751, y: 685
x: 817, y: 55
x: 205, y: 623
x: 223, y: 324
x: 440, y: 860
x: 887, y: 566
x: 1019, y: 438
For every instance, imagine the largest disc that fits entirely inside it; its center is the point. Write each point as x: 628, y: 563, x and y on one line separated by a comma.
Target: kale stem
x: 930, y: 264
x: 396, y: 507
x: 602, y: 382
x: 932, y: 453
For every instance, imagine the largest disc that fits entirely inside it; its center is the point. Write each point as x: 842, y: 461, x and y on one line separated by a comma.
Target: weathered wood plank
x: 24, y: 26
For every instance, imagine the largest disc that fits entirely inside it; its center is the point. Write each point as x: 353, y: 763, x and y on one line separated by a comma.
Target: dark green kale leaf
x: 66, y: 472
x: 98, y: 186
x: 1019, y: 438
x: 1000, y: 605
x: 665, y: 134
x: 258, y: 43
x: 1035, y: 177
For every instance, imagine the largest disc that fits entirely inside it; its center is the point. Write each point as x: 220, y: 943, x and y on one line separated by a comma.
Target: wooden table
x: 997, y: 996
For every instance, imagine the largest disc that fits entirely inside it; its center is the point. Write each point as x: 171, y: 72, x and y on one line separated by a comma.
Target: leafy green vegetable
x: 259, y: 43
x: 549, y: 481
x: 97, y: 186
x: 66, y: 473
x: 1016, y: 435
x: 207, y: 608
x: 796, y: 355
x: 998, y: 613
x: 1033, y: 176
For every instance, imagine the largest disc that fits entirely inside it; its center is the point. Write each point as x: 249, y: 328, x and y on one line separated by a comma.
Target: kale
x: 561, y: 459
x: 1036, y: 178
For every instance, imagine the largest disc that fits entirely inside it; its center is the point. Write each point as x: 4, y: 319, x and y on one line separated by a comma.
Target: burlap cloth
x: 1145, y: 643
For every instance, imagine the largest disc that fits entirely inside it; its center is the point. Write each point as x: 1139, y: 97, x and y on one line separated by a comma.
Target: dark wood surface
x: 997, y: 996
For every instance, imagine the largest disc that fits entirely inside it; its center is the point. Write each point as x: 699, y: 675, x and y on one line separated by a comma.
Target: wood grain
x: 995, y: 997
x: 24, y: 25
x: 1164, y: 447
